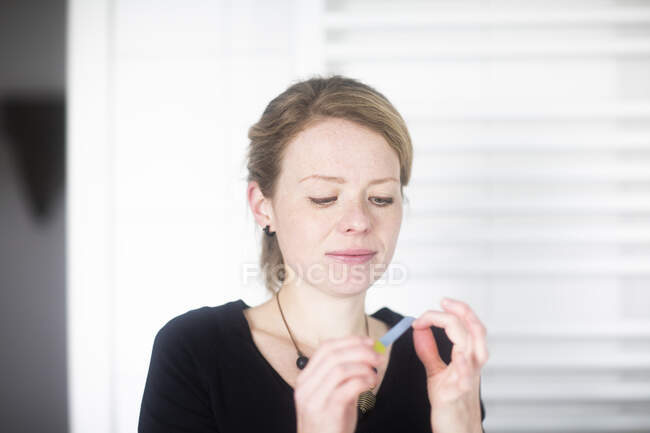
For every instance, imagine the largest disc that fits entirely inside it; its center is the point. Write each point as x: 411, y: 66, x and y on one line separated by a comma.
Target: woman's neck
x: 314, y: 316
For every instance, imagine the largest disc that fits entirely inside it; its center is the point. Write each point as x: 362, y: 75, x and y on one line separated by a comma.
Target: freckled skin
x: 355, y: 219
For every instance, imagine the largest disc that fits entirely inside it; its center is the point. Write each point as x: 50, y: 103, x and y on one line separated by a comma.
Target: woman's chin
x: 348, y: 287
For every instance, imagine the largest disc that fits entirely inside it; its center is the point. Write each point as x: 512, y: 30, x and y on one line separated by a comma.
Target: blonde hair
x: 299, y: 106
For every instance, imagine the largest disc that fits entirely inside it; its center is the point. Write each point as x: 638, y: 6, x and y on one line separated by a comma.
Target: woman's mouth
x: 352, y: 256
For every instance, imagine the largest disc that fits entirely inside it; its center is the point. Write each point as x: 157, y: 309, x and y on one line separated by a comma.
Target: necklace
x: 367, y: 399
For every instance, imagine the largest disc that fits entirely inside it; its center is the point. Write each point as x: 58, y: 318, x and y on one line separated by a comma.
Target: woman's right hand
x: 328, y: 388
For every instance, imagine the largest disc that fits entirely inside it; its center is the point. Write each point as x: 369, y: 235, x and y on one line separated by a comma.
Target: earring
x: 266, y: 230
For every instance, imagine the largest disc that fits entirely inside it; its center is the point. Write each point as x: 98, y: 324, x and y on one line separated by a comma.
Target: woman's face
x: 338, y: 190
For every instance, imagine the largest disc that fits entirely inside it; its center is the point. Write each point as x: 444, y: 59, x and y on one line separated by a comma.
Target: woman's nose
x: 356, y: 217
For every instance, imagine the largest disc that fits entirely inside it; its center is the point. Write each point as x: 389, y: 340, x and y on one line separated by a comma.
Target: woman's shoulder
x: 202, y: 324
x: 183, y: 370
x: 388, y: 316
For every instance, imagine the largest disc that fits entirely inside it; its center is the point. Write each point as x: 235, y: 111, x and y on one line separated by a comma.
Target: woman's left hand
x: 453, y: 388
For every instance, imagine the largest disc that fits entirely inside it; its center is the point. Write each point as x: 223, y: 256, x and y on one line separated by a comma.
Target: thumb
x: 427, y: 350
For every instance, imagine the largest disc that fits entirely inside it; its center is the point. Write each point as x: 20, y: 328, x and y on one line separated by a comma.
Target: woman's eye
x: 383, y: 201
x: 322, y: 201
x: 379, y: 201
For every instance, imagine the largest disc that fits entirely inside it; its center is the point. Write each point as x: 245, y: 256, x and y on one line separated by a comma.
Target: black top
x: 207, y: 375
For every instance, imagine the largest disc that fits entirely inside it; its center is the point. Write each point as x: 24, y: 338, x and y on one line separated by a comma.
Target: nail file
x: 393, y: 334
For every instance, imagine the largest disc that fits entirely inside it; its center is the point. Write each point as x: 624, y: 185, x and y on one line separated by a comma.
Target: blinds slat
x: 640, y: 362
x: 422, y: 231
x: 585, y: 392
x: 520, y: 110
x: 339, y: 52
x: 587, y: 422
x: 434, y: 138
x: 531, y: 267
x: 429, y: 17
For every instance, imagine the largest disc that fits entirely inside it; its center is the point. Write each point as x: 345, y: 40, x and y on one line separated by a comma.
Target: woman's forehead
x: 338, y: 132
x: 341, y: 149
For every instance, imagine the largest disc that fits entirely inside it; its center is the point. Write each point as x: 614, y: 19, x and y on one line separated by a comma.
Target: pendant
x: 366, y: 401
x: 302, y: 361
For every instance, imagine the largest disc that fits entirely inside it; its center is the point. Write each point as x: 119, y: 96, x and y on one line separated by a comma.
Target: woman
x: 327, y: 164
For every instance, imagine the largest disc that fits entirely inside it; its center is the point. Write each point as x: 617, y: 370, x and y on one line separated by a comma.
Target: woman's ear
x: 260, y: 205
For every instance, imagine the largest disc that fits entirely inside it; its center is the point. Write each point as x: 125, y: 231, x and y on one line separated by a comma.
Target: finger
x: 464, y: 311
x: 465, y: 375
x: 358, y: 376
x: 453, y: 325
x: 322, y: 390
x: 476, y: 328
x: 427, y: 350
x: 348, y: 391
x: 339, y: 366
x: 480, y: 344
x: 328, y: 346
x: 356, y: 354
x: 326, y: 357
x: 469, y: 349
x: 306, y: 375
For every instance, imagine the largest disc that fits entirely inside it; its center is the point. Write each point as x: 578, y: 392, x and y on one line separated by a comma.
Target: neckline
x: 249, y: 335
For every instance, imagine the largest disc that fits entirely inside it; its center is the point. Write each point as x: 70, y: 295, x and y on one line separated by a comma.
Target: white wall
x: 162, y: 95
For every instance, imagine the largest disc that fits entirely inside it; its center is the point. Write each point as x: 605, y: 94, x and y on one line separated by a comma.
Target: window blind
x: 530, y: 192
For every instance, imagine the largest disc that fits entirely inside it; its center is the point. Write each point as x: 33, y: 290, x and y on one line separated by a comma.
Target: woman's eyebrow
x: 341, y: 180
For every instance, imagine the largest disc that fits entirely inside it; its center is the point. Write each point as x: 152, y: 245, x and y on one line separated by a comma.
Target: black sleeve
x: 175, y: 397
x: 482, y: 407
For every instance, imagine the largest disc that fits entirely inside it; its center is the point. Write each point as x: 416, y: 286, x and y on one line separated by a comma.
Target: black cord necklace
x: 367, y: 399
